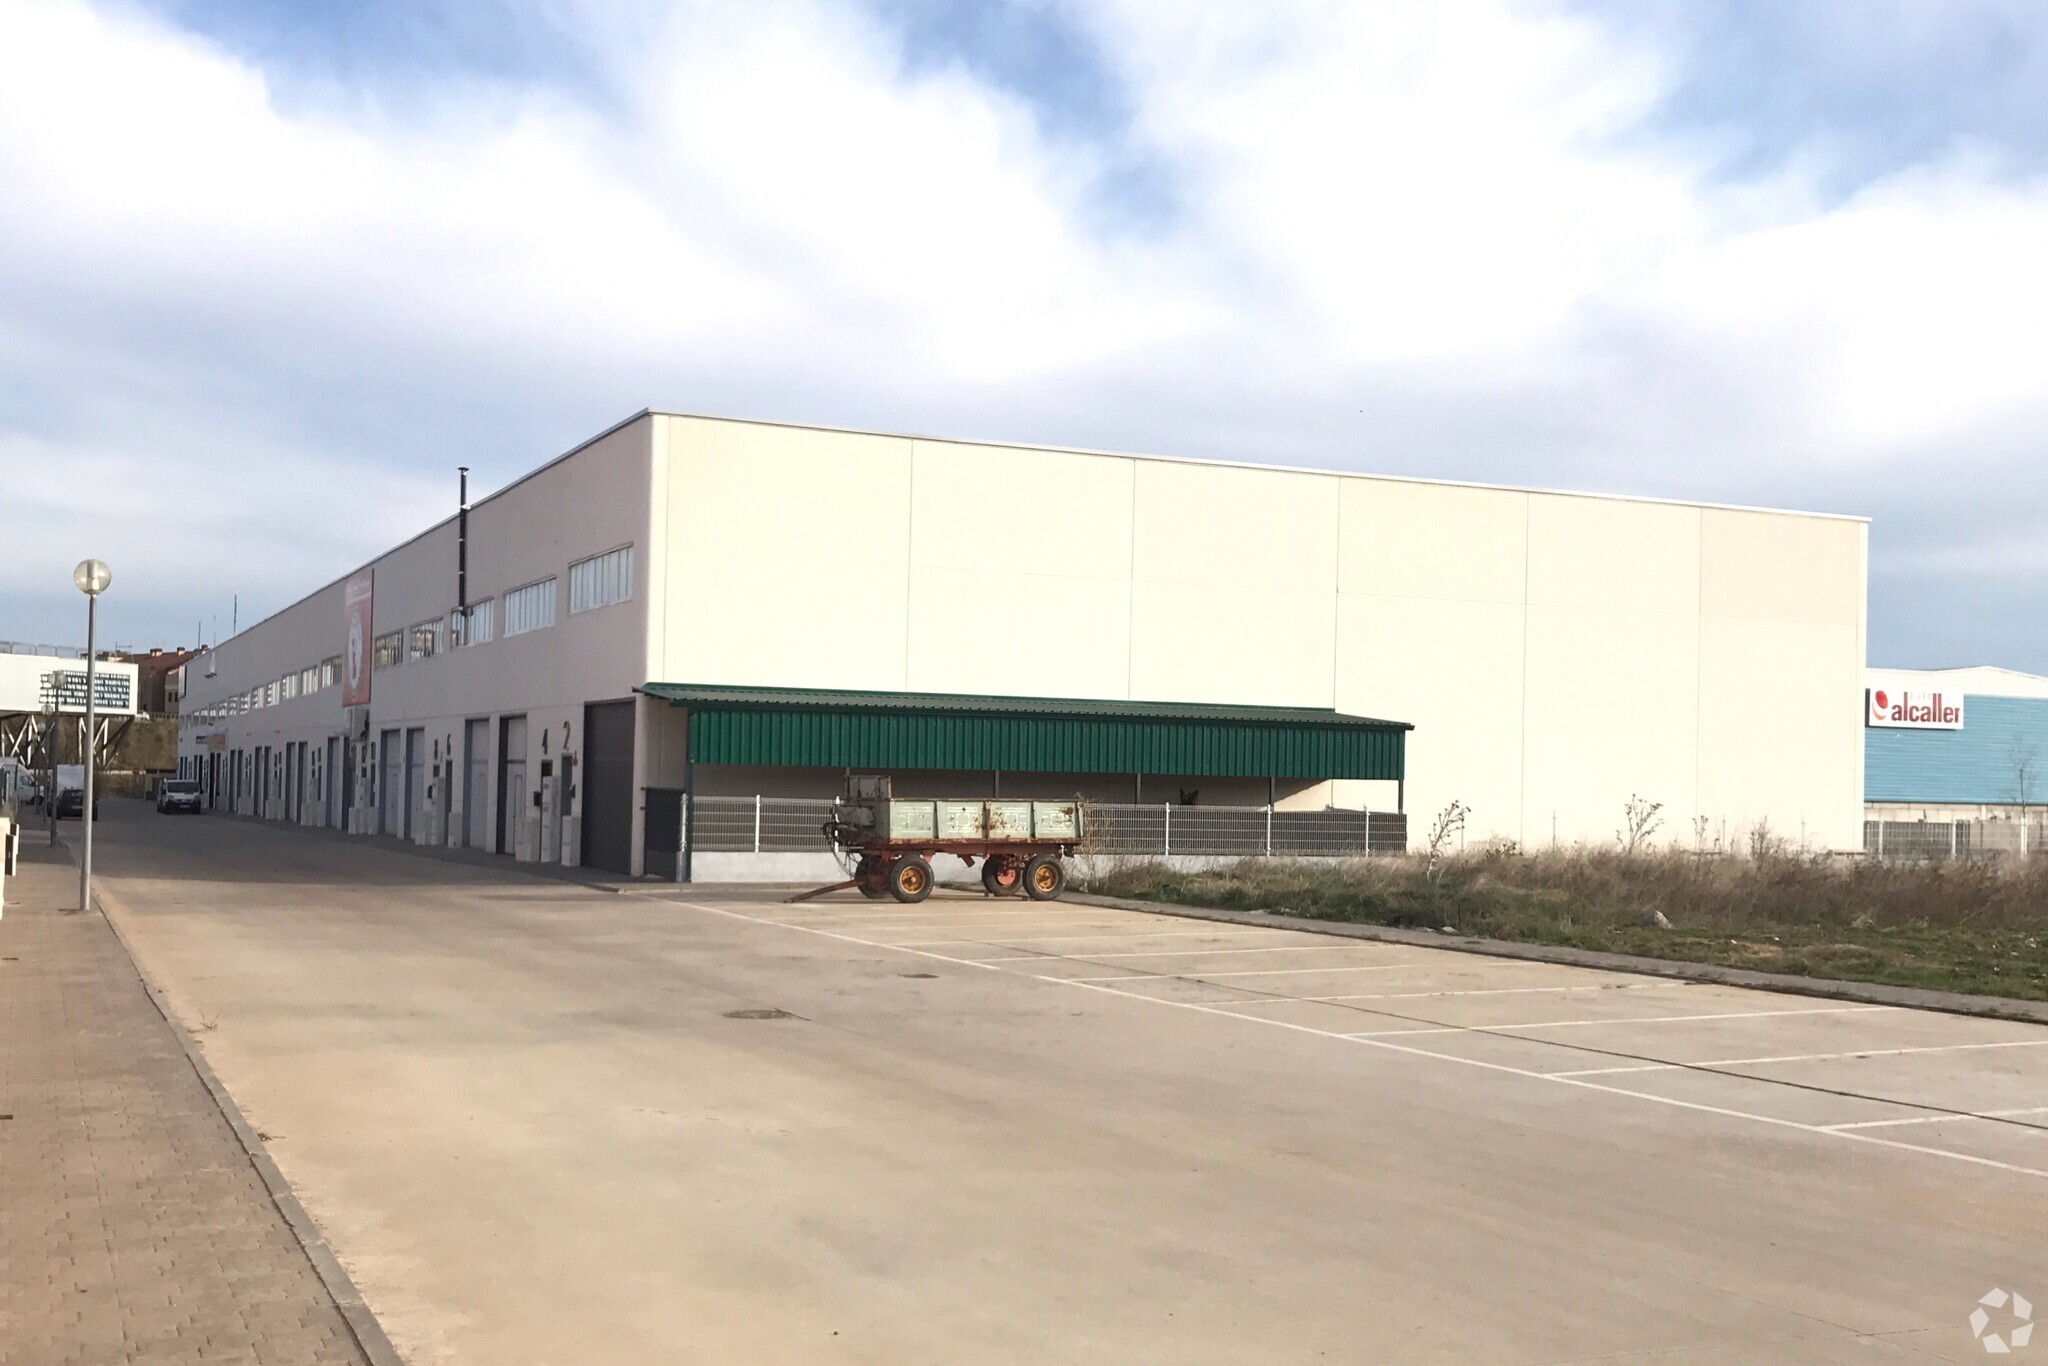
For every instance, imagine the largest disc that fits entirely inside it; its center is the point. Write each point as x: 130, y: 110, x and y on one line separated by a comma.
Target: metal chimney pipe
x: 462, y: 543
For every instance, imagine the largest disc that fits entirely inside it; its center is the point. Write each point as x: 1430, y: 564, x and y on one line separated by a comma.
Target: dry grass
x: 1963, y: 926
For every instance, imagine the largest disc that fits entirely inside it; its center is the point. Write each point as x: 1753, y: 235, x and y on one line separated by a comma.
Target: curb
x: 355, y: 1312
x: 1867, y: 993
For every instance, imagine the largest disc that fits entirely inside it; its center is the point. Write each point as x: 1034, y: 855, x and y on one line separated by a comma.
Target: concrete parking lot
x: 543, y: 1123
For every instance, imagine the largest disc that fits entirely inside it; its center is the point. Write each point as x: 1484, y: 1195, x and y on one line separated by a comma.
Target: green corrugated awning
x: 886, y: 730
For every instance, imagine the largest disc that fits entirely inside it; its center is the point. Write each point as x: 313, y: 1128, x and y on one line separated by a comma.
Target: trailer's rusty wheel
x: 868, y: 878
x: 1044, y: 878
x: 1000, y: 875
x: 910, y: 878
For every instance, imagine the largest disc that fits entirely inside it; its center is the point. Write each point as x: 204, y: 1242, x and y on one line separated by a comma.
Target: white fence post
x: 757, y: 822
x: 1952, y: 838
x: 1168, y: 843
x: 1269, y: 829
x: 1880, y: 838
x: 1368, y: 832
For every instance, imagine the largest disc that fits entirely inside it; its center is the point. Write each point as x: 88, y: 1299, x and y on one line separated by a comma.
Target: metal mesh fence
x: 1908, y: 840
x: 739, y: 825
x: 1243, y: 831
x: 756, y: 825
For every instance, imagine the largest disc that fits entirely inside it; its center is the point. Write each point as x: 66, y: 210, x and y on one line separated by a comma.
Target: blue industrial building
x: 1991, y: 762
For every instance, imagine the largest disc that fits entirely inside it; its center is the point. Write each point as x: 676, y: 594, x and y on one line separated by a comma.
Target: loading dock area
x: 710, y: 746
x: 540, y: 1122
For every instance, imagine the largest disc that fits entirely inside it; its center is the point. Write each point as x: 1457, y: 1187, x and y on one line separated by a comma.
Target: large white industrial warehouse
x: 663, y: 650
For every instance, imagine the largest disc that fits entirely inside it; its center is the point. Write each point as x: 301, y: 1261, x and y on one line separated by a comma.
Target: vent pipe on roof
x: 462, y: 542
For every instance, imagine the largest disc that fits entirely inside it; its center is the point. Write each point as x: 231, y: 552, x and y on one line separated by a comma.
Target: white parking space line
x: 956, y: 911
x: 926, y: 919
x: 1470, y: 991
x: 1386, y: 1045
x: 968, y: 936
x: 1236, y: 972
x: 1008, y: 941
x: 1626, y: 1020
x: 1281, y: 971
x: 1086, y: 957
x: 1943, y: 1119
x: 1813, y: 1057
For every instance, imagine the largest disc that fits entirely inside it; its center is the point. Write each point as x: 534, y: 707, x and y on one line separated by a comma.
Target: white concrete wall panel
x: 1252, y: 644
x: 787, y: 555
x: 1014, y: 510
x: 1227, y: 525
x: 1774, y: 567
x: 1453, y: 669
x: 1433, y: 541
x: 1019, y: 635
x: 1773, y: 746
x: 1233, y: 585
x: 1019, y: 571
x: 1611, y: 713
x: 1607, y: 552
x: 1430, y: 626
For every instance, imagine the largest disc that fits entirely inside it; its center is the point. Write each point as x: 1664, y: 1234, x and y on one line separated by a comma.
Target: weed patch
x: 1979, y: 927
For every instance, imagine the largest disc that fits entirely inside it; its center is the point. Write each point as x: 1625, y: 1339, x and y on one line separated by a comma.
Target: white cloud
x: 1912, y: 313
x: 1427, y: 182
x: 1448, y: 214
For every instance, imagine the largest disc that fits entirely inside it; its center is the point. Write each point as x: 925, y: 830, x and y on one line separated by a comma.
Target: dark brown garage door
x: 608, y: 786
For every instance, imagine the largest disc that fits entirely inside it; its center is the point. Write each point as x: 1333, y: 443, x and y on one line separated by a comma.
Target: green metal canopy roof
x: 891, y: 730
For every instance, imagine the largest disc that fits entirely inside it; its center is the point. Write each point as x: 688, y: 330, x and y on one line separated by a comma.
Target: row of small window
x: 596, y: 582
x: 302, y: 683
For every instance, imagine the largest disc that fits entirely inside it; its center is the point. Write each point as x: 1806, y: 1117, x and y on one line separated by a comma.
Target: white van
x: 19, y: 790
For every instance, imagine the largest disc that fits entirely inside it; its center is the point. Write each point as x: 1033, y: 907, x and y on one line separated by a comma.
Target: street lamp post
x: 92, y: 578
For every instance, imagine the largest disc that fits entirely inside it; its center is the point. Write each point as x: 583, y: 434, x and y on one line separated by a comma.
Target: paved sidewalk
x: 133, y: 1225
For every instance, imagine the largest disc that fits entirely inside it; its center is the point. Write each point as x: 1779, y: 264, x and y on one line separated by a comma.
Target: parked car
x: 69, y: 788
x: 71, y: 802
x: 178, y: 794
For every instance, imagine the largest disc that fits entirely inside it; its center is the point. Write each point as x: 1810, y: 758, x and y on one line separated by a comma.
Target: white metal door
x: 476, y: 784
x: 331, y: 778
x: 391, y: 789
x: 512, y: 798
x: 415, y: 780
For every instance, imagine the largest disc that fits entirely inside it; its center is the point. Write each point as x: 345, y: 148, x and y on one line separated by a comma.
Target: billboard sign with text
x: 1896, y: 710
x: 357, y: 596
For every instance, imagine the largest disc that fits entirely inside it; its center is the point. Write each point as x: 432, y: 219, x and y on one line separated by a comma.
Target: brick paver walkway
x: 133, y: 1226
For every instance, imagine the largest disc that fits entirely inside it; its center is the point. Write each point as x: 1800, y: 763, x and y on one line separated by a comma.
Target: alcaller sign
x: 1913, y: 710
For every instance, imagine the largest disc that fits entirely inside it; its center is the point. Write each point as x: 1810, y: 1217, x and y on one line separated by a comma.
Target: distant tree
x: 2025, y: 763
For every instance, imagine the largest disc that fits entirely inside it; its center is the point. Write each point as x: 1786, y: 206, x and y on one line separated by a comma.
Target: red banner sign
x: 356, y: 597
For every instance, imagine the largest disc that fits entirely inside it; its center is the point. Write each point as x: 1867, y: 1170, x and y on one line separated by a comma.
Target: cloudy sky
x: 265, y: 279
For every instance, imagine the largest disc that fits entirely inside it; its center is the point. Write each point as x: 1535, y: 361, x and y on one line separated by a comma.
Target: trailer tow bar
x: 820, y: 891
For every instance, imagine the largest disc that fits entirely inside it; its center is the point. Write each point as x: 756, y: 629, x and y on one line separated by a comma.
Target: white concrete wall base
x: 821, y: 868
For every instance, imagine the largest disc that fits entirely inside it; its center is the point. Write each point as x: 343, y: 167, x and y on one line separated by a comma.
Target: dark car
x: 178, y: 794
x: 71, y: 802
